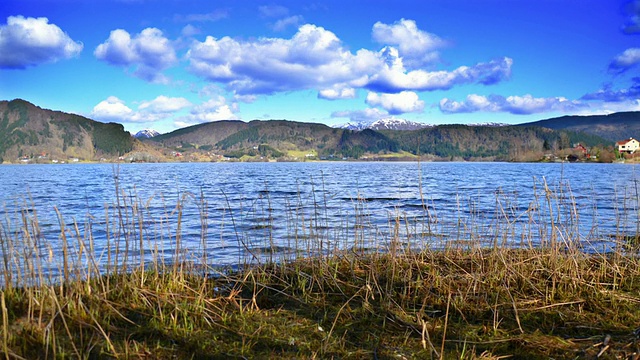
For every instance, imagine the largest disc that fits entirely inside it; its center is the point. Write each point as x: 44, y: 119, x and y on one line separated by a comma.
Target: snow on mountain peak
x: 384, y: 124
x: 146, y: 134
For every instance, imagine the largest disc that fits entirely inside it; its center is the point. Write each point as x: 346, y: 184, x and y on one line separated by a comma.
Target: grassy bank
x: 476, y: 303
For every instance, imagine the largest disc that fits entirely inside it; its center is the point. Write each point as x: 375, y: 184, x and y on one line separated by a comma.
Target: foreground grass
x: 472, y: 303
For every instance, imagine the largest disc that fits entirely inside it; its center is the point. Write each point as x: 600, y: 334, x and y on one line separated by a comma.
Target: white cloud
x: 312, y: 58
x: 315, y: 58
x: 248, y: 99
x: 149, y: 52
x: 31, y: 41
x: 400, y: 103
x: 112, y: 110
x: 520, y: 105
x: 163, y: 104
x: 115, y: 110
x: 416, y: 47
x: 393, y: 78
x: 215, y: 109
x: 337, y: 93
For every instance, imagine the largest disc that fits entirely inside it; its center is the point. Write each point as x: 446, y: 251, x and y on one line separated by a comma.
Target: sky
x: 168, y: 64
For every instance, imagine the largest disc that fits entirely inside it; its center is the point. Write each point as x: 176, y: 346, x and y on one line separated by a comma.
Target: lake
x: 233, y: 213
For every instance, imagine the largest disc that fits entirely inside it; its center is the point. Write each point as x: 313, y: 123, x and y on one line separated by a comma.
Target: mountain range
x: 384, y: 124
x: 30, y: 132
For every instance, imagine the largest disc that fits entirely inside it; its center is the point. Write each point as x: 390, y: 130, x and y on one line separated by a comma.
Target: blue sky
x: 166, y: 64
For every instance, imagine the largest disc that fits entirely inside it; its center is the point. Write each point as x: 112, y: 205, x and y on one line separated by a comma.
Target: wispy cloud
x: 361, y: 116
x: 609, y: 94
x: 519, y: 105
x: 290, y: 21
x: 215, y: 15
x: 31, y: 41
x: 625, y: 61
x: 632, y: 11
x: 273, y: 11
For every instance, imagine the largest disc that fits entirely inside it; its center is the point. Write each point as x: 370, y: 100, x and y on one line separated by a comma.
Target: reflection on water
x: 233, y: 213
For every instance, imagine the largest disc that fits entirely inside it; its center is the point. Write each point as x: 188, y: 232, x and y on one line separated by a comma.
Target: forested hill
x: 30, y: 132
x: 613, y: 127
x: 519, y: 143
x: 287, y: 140
x: 27, y: 131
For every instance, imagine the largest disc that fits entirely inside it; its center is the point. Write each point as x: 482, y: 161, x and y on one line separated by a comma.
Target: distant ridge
x: 613, y: 127
x: 29, y: 132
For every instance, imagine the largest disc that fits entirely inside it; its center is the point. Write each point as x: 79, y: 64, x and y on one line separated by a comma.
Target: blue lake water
x: 232, y: 213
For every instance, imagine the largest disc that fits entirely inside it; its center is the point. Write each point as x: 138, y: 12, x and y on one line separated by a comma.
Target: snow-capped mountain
x: 384, y: 124
x: 492, y: 124
x: 397, y: 124
x: 357, y: 126
x: 146, y: 134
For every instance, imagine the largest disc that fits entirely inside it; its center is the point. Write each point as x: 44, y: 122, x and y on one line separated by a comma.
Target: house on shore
x: 628, y: 146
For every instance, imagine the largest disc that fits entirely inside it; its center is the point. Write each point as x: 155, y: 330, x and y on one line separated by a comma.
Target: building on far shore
x: 628, y: 146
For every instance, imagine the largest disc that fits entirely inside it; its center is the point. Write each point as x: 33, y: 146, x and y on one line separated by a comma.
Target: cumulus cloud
x: 417, y: 47
x: 312, y: 58
x: 149, y: 52
x: 115, y: 110
x: 315, y: 58
x: 215, y: 109
x: 112, y: 110
x: 623, y: 62
x: 337, y: 93
x: 31, y: 41
x: 520, y: 105
x: 395, y: 104
x: 361, y: 116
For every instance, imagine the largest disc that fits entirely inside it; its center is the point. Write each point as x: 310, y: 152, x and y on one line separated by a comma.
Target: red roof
x: 624, y: 142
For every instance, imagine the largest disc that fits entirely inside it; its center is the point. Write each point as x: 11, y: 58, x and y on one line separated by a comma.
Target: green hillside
x: 490, y: 142
x: 281, y: 139
x: 27, y: 131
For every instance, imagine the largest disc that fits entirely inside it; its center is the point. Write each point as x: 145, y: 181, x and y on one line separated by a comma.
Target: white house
x: 628, y: 146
